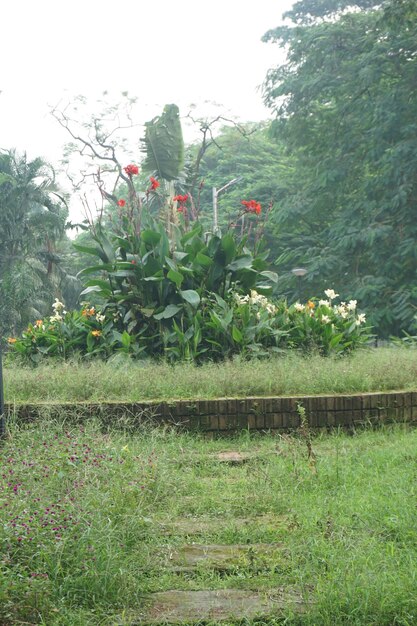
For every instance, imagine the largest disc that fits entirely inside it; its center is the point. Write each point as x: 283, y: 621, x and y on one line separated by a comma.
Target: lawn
x: 93, y: 522
x: 379, y: 369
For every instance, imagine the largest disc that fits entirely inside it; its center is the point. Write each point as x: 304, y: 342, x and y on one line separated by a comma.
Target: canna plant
x: 157, y: 286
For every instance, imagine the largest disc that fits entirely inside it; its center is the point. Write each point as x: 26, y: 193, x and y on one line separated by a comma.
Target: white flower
x: 361, y: 319
x: 330, y: 293
x: 343, y: 312
x: 271, y: 308
x: 351, y: 305
x: 256, y: 298
x: 56, y: 317
x: 100, y: 318
x: 241, y: 299
x: 299, y: 307
x: 324, y: 303
x: 58, y: 306
x: 325, y: 319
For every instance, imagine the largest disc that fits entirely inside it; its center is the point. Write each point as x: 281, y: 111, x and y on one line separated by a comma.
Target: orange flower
x: 311, y: 305
x: 12, y: 340
x: 96, y: 333
x: 39, y: 323
x: 252, y: 206
x: 88, y: 312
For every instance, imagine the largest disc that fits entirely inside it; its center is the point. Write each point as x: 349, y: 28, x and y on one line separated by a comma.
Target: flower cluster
x: 258, y: 300
x: 344, y: 310
x: 131, y: 169
x: 182, y: 199
x: 252, y: 206
x: 154, y: 183
x: 86, y: 312
x: 59, y: 311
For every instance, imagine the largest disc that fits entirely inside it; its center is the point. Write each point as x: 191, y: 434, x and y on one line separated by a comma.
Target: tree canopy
x: 346, y: 109
x: 32, y: 220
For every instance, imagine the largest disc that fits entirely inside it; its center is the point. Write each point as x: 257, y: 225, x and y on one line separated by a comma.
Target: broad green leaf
x: 92, y: 289
x: 150, y: 237
x: 237, y: 335
x: 96, y: 251
x: 176, y: 277
x: 180, y: 256
x: 240, y: 263
x: 229, y: 247
x: 191, y: 297
x: 104, y: 267
x: 126, y: 339
x: 168, y: 312
x: 203, y: 260
x: 272, y: 276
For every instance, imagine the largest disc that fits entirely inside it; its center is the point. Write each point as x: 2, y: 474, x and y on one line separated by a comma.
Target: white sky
x: 180, y: 51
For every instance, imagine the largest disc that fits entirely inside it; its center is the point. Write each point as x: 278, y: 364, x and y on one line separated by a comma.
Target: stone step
x: 229, y: 457
x: 191, y: 607
x: 223, y: 557
x: 212, y: 526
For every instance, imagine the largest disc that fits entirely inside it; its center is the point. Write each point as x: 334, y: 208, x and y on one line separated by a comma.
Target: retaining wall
x: 233, y: 414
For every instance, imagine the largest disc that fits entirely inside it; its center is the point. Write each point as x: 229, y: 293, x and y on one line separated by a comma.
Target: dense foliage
x: 32, y: 221
x: 346, y: 110
x: 177, y: 292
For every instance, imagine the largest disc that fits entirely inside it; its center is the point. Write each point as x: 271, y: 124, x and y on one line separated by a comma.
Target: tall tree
x: 346, y: 107
x: 32, y: 220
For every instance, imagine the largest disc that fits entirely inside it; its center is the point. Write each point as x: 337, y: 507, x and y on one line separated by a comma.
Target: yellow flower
x: 12, y: 340
x: 96, y: 333
x: 311, y: 304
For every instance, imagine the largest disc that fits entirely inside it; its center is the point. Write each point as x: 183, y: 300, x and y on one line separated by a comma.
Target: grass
x: 85, y: 517
x: 372, y: 370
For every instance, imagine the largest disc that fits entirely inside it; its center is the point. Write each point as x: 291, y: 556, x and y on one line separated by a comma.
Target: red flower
x: 133, y: 262
x: 252, y: 206
x: 181, y: 199
x: 121, y: 202
x: 131, y: 170
x: 154, y: 183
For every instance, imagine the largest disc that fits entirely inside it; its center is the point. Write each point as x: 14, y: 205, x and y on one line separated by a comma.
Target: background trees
x: 346, y: 110
x: 32, y: 221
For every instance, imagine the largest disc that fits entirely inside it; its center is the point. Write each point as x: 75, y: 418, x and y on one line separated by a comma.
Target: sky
x: 181, y: 51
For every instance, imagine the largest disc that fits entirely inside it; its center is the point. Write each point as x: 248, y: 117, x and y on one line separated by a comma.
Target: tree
x: 32, y: 221
x: 346, y: 108
x: 248, y: 153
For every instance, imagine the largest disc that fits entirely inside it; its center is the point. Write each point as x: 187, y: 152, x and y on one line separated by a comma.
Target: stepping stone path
x: 224, y: 557
x: 230, y: 457
x: 175, y: 607
x: 234, y: 458
x: 219, y: 605
x: 207, y: 525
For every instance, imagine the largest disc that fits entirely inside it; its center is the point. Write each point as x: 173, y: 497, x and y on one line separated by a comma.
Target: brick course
x: 233, y: 414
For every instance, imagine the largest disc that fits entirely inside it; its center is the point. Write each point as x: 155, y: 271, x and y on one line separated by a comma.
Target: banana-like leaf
x: 164, y: 144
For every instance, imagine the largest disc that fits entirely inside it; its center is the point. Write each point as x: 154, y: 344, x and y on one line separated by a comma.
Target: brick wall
x: 231, y: 414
